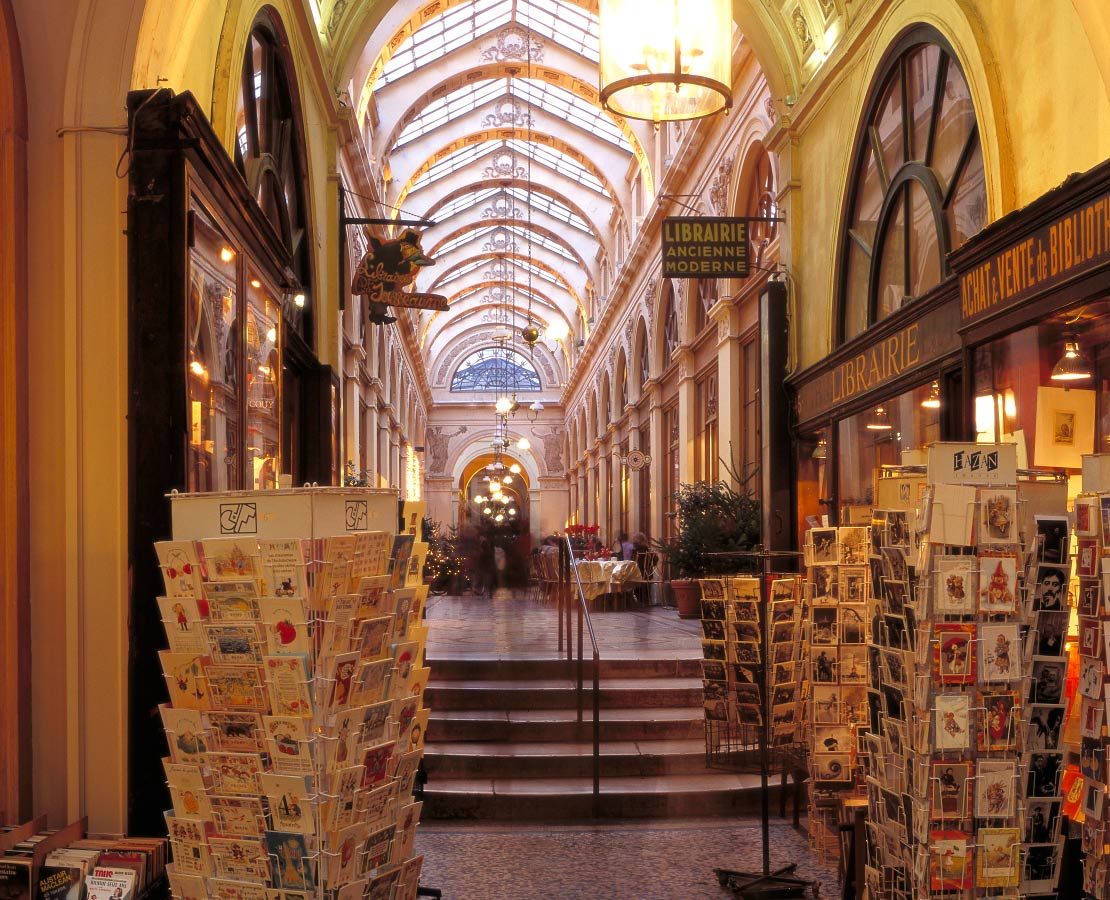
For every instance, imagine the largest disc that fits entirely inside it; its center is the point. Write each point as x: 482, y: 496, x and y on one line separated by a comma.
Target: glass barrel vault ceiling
x: 504, y: 148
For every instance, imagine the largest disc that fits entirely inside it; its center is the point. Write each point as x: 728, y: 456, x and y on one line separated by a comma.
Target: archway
x: 494, y: 513
x: 15, y: 638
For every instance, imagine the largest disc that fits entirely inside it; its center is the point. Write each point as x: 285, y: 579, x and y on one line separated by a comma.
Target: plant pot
x: 687, y: 596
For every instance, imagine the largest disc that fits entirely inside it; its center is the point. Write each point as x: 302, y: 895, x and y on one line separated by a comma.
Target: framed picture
x: 1065, y: 427
x: 948, y: 798
x: 995, y: 793
x: 954, y: 652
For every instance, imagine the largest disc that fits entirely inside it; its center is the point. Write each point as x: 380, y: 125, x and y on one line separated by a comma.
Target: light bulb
x: 500, y: 517
x: 255, y: 283
x: 495, y: 486
x: 503, y: 405
x: 299, y: 301
x: 508, y: 479
x: 271, y: 335
x: 487, y: 510
x: 227, y: 254
x: 515, y: 468
x: 512, y: 512
x: 524, y: 444
x: 197, y: 368
x: 557, y: 330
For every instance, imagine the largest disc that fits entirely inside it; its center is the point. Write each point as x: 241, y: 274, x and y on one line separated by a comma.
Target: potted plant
x: 711, y: 517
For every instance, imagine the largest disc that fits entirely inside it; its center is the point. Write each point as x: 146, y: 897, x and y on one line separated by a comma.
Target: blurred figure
x: 625, y: 548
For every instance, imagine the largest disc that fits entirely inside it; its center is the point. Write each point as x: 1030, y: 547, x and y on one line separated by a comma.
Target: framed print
x: 949, y: 861
x: 997, y: 516
x: 1000, y: 721
x: 995, y: 792
x: 954, y: 652
x: 1065, y: 426
x: 997, y: 583
x: 998, y: 857
x: 948, y: 798
x: 952, y: 722
x: 999, y: 652
x: 955, y: 585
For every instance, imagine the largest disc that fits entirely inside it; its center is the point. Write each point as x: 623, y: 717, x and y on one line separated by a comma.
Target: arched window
x: 703, y: 301
x: 917, y: 188
x: 670, y: 324
x: 645, y: 355
x: 495, y: 369
x: 760, y: 202
x: 269, y: 155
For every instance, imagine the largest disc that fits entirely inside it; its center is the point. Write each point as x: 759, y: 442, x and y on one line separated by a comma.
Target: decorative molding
x: 514, y: 44
x: 510, y: 114
x: 801, y: 31
x: 827, y: 8
x: 769, y: 108
x: 503, y: 165
x: 437, y: 444
x: 718, y: 191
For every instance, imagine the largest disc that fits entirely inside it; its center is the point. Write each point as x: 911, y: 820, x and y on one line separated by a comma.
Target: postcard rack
x: 967, y: 667
x: 751, y: 642
x: 295, y: 674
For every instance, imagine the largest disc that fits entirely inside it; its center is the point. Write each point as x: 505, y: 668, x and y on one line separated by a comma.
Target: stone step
x: 564, y: 760
x: 535, y: 725
x: 562, y: 799
x: 454, y: 669
x: 551, y: 693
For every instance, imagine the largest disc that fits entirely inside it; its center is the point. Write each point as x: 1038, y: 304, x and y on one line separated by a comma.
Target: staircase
x: 503, y: 743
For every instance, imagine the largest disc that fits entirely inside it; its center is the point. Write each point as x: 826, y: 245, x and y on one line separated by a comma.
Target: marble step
x: 491, y: 668
x: 551, y: 693
x: 562, y: 799
x: 535, y: 725
x: 564, y: 760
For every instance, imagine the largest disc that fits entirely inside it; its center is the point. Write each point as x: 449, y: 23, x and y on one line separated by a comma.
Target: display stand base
x: 434, y: 893
x: 781, y: 883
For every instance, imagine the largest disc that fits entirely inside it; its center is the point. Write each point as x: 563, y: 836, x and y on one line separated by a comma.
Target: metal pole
x: 764, y: 761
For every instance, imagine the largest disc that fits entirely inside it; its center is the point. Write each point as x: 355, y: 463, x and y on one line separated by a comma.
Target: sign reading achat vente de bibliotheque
x: 705, y: 247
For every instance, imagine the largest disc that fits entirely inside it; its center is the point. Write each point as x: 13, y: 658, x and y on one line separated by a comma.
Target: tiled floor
x: 509, y: 625
x: 653, y: 860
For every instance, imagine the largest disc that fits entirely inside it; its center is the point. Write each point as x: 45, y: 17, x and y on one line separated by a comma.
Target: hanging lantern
x: 664, y: 60
x: 530, y: 334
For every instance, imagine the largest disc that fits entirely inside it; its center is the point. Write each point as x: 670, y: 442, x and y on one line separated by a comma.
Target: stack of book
x: 62, y: 864
x: 967, y: 706
x: 295, y: 722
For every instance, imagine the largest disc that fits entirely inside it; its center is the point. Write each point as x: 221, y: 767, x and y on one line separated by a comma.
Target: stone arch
x: 641, y: 340
x: 667, y: 303
x: 620, y: 384
x: 604, y: 405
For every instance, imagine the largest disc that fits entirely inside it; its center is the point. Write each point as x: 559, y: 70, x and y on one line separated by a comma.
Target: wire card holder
x: 294, y: 671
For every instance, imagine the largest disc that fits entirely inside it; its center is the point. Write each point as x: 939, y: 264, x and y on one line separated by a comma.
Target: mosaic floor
x: 652, y: 860
x: 655, y: 861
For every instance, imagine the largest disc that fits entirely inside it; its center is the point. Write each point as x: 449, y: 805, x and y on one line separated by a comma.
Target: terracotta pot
x: 687, y: 595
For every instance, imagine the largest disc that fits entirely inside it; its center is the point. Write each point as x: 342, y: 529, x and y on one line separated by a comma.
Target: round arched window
x: 916, y: 189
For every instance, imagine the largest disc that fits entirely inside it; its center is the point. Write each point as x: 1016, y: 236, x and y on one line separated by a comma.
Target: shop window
x: 917, y: 189
x: 704, y: 300
x: 707, y: 450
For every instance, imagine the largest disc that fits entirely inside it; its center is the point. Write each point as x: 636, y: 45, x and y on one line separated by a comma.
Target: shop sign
x: 705, y: 247
x: 1071, y: 245
x: 916, y: 345
x: 953, y: 463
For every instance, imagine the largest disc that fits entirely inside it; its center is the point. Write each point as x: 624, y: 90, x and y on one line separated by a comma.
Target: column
x: 616, y: 470
x: 658, y: 475
x: 730, y: 379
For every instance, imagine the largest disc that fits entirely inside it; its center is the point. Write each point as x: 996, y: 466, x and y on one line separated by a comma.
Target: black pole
x: 342, y: 247
x: 764, y: 761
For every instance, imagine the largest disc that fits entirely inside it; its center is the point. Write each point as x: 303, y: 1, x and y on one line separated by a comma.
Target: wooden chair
x: 650, y: 566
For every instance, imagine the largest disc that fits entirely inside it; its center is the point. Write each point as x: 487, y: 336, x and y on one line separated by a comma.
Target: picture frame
x: 1065, y: 427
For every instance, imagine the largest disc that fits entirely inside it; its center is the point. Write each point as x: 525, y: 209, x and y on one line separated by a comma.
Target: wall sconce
x: 524, y: 444
x: 534, y: 411
x: 933, y: 400
x: 666, y: 60
x: 821, y: 451
x: 1073, y: 365
x: 879, y: 420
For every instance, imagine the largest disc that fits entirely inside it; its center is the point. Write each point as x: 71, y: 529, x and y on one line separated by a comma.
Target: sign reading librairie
x: 705, y: 247
x: 1070, y: 245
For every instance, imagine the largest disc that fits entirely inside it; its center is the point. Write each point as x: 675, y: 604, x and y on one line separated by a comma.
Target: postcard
x: 236, y: 732
x: 854, y: 623
x: 1051, y: 591
x: 283, y: 568
x: 186, y: 678
x: 186, y: 734
x: 1044, y: 775
x: 1089, y: 597
x: 290, y: 808
x: 189, y: 790
x: 236, y: 644
x: 1040, y: 872
x: 853, y: 545
x: 825, y: 584
x: 288, y: 742
x: 239, y: 858
x: 952, y: 722
x: 1091, y: 676
x: 1054, y: 530
x: 997, y: 516
x: 375, y: 764
x: 997, y: 583
x: 950, y: 857
x: 286, y: 626
x: 184, y: 625
x: 233, y: 889
x: 290, y: 689
x: 825, y: 551
x: 180, y: 568
x: 290, y: 860
x: 237, y: 773
x: 995, y: 793
x: 825, y: 665
x: 237, y: 815
x: 949, y: 789
x: 747, y: 652
x: 955, y: 585
x: 826, y: 704
x: 1044, y: 727
x: 231, y: 558
x: 1047, y: 684
x: 1001, y: 712
x: 1092, y: 760
x: 954, y: 652
x: 999, y: 652
x: 1050, y: 631
x: 824, y: 628
x: 998, y: 855
x: 853, y: 664
x: 1090, y: 636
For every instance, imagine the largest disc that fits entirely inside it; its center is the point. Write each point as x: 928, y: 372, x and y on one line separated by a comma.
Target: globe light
x: 524, y: 444
x: 503, y: 406
x: 515, y: 468
x: 499, y: 518
x: 487, y: 510
x: 512, y: 512
x: 557, y: 330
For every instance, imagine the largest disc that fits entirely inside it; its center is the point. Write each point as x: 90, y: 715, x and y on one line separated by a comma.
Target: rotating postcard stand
x: 294, y: 669
x: 751, y: 629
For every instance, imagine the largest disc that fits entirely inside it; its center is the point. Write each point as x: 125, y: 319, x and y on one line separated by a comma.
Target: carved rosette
x: 514, y: 44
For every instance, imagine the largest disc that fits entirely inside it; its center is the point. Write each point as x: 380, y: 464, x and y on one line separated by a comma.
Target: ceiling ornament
x: 509, y: 113
x: 514, y: 44
x: 500, y: 241
x: 503, y: 165
x: 801, y: 30
x: 718, y: 191
x: 502, y: 207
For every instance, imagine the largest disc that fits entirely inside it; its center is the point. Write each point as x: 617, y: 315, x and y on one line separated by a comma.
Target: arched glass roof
x: 495, y: 369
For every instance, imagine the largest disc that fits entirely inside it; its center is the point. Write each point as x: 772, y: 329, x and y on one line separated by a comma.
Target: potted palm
x: 711, y: 517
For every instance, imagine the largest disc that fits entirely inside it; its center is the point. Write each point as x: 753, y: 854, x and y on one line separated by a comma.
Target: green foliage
x: 712, y: 517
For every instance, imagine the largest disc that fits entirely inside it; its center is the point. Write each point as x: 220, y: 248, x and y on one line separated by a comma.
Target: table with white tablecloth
x: 607, y: 576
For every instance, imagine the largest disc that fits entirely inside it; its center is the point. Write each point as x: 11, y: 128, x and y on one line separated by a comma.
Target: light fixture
x: 821, y: 451
x: 524, y: 444
x: 557, y: 330
x: 503, y: 406
x: 933, y: 400
x: 255, y: 283
x: 265, y: 370
x: 515, y: 468
x: 495, y: 485
x: 534, y: 411
x: 197, y: 368
x: 664, y: 60
x: 512, y: 511
x: 488, y: 510
x: 227, y: 254
x: 500, y: 517
x: 879, y: 420
x: 508, y: 479
x: 1073, y: 365
x: 299, y: 301
x: 271, y: 335
x: 530, y: 334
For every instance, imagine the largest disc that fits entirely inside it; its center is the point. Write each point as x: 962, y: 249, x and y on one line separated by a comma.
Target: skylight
x: 495, y: 369
x: 559, y: 162
x: 550, y: 206
x: 449, y: 164
x: 562, y: 103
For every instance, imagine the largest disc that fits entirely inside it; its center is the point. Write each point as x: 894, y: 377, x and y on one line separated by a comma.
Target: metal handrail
x: 567, y: 560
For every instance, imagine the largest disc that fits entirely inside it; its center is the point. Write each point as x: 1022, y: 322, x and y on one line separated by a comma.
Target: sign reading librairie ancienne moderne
x: 705, y: 247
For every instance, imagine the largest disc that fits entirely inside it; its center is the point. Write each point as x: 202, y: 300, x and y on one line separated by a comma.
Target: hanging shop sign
x: 705, y: 247
x: 872, y: 364
x: 387, y: 267
x: 1071, y: 244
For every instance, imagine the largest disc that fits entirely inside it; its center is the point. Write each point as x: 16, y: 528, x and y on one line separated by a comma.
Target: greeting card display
x: 295, y: 687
